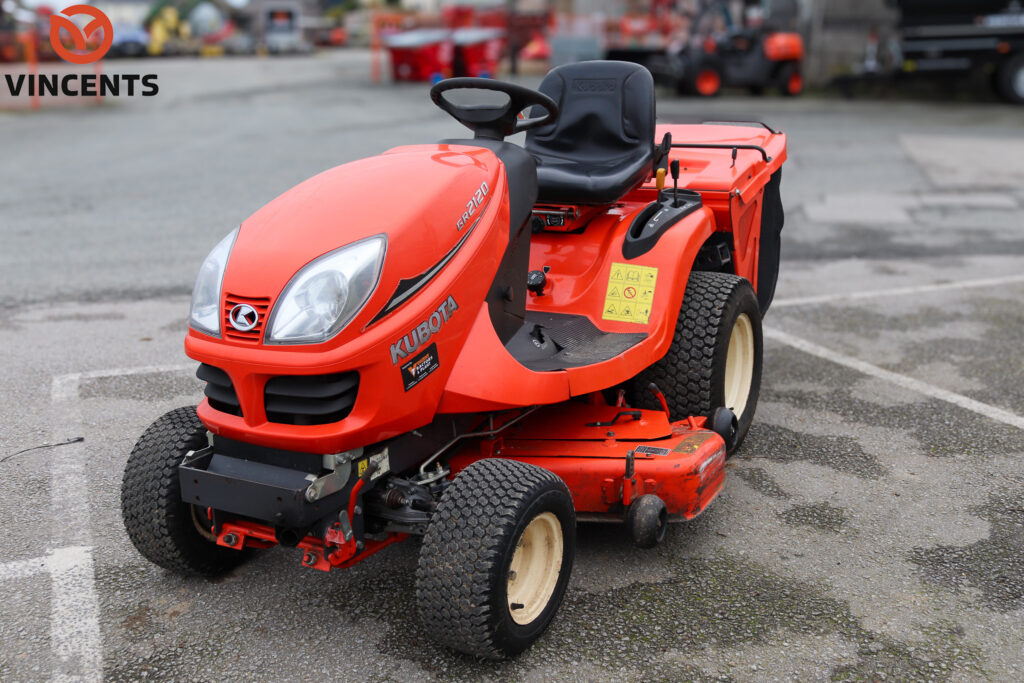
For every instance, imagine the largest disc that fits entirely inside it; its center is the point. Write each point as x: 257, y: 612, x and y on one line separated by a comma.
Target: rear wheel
x: 1011, y: 79
x: 708, y: 81
x: 167, y: 531
x: 790, y: 80
x: 496, y: 558
x: 715, y: 356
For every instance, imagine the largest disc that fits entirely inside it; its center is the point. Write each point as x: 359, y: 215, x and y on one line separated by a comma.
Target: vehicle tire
x: 496, y: 558
x: 1011, y: 79
x: 647, y: 521
x: 715, y: 356
x: 790, y: 79
x: 168, y: 532
x: 707, y: 82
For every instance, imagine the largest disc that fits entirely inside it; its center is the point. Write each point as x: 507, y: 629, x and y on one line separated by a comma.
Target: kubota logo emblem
x: 80, y: 37
x: 243, y: 317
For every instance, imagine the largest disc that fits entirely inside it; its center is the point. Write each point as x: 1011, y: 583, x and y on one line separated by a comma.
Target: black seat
x: 601, y: 145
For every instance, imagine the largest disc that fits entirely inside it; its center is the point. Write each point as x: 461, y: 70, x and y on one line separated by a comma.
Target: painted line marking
x: 20, y: 569
x: 898, y: 291
x: 65, y: 387
x: 930, y: 390
x: 75, y: 635
x: 74, y: 618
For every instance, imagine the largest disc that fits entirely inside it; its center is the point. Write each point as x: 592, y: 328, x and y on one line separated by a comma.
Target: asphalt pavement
x: 871, y: 528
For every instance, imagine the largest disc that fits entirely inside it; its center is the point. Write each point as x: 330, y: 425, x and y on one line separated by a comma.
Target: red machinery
x: 479, y: 343
x: 421, y: 54
x: 432, y: 54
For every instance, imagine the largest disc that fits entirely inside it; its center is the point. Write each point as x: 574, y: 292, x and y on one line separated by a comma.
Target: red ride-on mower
x: 480, y: 344
x: 755, y: 56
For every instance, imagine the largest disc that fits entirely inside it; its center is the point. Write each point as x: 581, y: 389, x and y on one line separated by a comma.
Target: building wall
x: 837, y: 33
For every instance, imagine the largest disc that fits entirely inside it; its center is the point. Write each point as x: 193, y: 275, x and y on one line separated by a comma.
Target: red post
x: 32, y: 60
x: 375, y: 46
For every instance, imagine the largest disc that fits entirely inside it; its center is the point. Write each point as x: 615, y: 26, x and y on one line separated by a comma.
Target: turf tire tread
x: 463, y: 546
x: 159, y: 525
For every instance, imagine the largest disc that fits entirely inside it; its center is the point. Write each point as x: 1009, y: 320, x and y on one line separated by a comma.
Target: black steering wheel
x: 494, y: 121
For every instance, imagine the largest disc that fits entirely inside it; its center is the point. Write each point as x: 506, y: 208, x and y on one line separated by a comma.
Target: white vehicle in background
x: 281, y: 28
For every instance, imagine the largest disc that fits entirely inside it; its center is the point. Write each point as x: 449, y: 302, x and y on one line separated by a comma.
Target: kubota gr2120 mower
x: 477, y: 343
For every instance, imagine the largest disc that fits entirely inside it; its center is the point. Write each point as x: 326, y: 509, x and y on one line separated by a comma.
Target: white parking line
x: 75, y: 636
x: 930, y: 390
x: 65, y: 387
x: 75, y: 616
x: 898, y: 291
x: 74, y: 621
x: 20, y: 569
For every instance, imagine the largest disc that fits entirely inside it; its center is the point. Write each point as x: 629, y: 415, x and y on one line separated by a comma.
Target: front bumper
x: 261, y: 484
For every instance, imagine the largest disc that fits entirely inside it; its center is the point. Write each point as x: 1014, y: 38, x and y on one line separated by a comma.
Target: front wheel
x: 166, y: 531
x: 715, y: 356
x: 790, y: 80
x: 496, y: 558
x: 707, y: 82
x: 1011, y: 80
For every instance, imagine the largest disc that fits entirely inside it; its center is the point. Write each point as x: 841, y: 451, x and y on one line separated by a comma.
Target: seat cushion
x: 601, y: 145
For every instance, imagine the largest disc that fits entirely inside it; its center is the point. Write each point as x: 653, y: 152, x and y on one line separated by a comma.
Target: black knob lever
x: 674, y: 170
x: 536, y: 281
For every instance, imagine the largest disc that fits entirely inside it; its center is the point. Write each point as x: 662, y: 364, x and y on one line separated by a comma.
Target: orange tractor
x: 477, y: 343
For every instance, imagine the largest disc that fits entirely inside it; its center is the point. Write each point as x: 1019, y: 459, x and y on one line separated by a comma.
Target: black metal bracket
x: 695, y: 145
x: 635, y: 414
x: 760, y: 123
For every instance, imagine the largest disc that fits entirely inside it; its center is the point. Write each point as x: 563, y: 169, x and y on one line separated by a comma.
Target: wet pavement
x: 871, y: 526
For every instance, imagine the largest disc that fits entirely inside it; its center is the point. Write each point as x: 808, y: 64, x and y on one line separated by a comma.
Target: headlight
x: 325, y: 295
x: 205, y: 312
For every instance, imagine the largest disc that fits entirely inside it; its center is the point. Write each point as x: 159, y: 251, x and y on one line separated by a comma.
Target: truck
x: 950, y: 38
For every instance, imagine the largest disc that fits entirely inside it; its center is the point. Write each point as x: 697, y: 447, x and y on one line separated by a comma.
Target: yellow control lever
x: 660, y: 175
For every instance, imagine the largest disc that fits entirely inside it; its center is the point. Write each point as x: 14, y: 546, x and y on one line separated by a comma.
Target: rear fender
x: 586, y: 276
x: 745, y: 221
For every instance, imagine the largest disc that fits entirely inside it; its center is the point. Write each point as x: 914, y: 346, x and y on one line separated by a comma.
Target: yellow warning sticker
x: 630, y: 293
x: 383, y: 464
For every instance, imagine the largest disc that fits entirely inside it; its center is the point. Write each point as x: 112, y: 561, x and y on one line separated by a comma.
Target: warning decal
x: 383, y: 464
x: 630, y: 293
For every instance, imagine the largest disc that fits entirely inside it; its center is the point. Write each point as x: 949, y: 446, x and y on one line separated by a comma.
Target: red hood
x: 416, y: 195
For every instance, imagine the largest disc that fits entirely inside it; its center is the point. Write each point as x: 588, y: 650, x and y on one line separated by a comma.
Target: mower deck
x: 608, y: 456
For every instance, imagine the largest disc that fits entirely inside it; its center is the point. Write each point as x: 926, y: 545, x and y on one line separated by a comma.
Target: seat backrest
x: 607, y: 113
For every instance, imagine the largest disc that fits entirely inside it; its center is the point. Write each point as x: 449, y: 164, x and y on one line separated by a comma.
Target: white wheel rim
x: 533, y: 572
x: 739, y: 365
